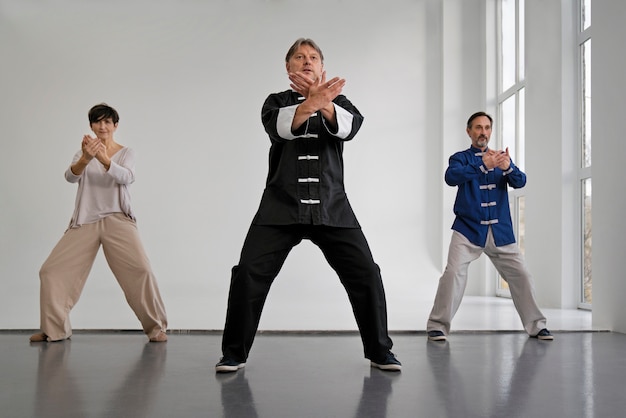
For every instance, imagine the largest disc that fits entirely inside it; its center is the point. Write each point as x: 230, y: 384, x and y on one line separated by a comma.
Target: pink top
x: 102, y: 192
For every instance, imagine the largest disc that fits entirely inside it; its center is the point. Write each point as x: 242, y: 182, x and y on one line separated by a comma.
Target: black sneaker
x: 436, y: 336
x: 227, y: 365
x: 544, y: 334
x: 390, y: 363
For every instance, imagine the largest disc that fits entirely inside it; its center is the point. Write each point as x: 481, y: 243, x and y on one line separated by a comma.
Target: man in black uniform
x: 304, y: 198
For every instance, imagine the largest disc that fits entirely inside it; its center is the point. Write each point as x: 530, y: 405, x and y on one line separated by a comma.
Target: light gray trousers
x: 510, y: 264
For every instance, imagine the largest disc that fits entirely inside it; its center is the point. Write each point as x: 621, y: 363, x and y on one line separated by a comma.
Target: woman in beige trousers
x: 103, y: 217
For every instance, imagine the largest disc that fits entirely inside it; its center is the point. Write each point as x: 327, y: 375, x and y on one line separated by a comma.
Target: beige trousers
x: 510, y: 264
x: 64, y: 273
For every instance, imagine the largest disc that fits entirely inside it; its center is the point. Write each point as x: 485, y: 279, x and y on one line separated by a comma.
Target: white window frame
x: 511, y: 92
x: 584, y: 173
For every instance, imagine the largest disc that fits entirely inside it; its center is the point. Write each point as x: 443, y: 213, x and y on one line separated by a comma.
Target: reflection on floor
x: 475, y: 374
x: 489, y: 374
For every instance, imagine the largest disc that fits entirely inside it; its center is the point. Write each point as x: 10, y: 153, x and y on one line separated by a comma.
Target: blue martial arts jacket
x: 482, y: 198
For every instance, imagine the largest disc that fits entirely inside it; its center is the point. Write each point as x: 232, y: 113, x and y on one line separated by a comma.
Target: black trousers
x: 264, y: 252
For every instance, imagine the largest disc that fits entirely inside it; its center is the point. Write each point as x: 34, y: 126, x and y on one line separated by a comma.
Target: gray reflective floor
x: 497, y: 374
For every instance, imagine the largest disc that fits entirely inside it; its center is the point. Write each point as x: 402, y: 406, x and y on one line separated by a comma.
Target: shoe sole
x: 387, y: 367
x: 229, y: 369
x: 545, y: 338
x: 438, y: 338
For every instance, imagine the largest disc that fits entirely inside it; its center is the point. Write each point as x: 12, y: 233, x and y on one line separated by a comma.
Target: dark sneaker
x: 390, y: 363
x: 227, y: 365
x: 544, y: 334
x: 436, y: 336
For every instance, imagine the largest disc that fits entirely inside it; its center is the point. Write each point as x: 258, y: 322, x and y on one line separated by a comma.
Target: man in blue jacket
x: 483, y: 225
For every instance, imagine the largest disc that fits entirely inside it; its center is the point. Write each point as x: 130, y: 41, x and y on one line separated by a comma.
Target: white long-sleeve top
x: 102, y: 192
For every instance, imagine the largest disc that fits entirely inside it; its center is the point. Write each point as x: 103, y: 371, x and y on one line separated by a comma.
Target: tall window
x: 584, y: 172
x: 510, y: 109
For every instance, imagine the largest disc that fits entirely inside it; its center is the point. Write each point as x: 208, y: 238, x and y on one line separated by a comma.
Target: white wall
x: 464, y: 87
x: 609, y: 153
x: 551, y: 153
x: 189, y: 79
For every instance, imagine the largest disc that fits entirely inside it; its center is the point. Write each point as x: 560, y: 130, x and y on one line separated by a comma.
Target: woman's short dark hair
x: 477, y: 115
x: 103, y: 111
x: 303, y: 41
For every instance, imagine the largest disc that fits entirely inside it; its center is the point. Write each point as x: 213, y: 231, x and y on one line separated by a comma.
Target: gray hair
x: 303, y: 41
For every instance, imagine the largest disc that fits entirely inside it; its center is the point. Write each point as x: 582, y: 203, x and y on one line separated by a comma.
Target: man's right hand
x: 319, y: 96
x: 493, y: 158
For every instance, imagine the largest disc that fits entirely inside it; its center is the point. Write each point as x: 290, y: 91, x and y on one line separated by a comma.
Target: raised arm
x: 461, y: 169
x: 319, y: 96
x: 90, y: 147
